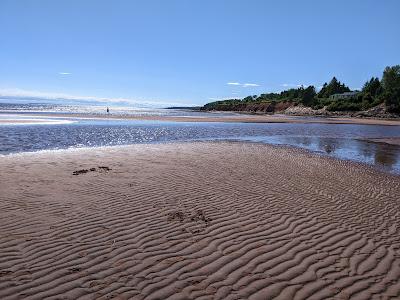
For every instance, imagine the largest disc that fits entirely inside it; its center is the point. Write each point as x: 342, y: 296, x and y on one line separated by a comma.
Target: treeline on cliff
x: 333, y: 96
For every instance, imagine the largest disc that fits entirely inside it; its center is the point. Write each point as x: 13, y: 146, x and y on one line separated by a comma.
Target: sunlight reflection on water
x: 343, y: 141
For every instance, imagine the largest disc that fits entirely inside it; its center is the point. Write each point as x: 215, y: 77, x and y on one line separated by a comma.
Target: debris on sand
x: 100, y: 169
x: 79, y: 172
x: 197, y: 215
x: 106, y: 169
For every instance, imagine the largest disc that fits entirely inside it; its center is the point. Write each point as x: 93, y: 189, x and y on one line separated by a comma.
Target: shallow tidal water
x: 343, y: 141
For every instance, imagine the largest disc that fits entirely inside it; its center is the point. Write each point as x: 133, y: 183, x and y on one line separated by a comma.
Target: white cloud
x: 250, y: 84
x: 221, y: 98
x: 64, y: 73
x: 292, y: 85
x: 21, y: 94
x: 243, y: 84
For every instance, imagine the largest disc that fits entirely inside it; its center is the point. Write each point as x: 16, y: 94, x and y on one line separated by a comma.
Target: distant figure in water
x: 108, y: 110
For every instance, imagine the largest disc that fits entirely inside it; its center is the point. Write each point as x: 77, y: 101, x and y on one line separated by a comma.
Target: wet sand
x: 390, y: 141
x: 20, y: 121
x: 32, y: 121
x: 239, y: 118
x: 197, y: 221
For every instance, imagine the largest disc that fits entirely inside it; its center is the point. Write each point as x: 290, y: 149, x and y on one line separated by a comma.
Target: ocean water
x: 343, y: 141
x: 97, y: 110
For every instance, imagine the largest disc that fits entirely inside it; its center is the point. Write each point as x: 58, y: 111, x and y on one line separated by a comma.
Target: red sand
x: 197, y: 221
x: 240, y: 118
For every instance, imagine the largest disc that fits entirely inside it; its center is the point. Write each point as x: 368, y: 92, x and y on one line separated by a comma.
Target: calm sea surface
x: 335, y: 140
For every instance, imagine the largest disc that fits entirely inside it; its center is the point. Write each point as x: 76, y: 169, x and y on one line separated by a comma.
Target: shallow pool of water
x: 344, y: 141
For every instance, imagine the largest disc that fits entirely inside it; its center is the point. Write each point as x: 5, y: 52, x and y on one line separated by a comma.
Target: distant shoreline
x: 237, y: 118
x: 301, y: 111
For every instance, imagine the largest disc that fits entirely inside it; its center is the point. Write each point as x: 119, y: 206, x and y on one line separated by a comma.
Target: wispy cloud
x: 243, y: 84
x: 21, y: 94
x: 64, y: 73
x: 221, y: 98
x: 249, y: 84
x: 292, y: 85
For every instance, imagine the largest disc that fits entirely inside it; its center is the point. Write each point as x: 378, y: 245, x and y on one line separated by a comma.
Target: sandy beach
x: 16, y: 121
x: 246, y: 118
x: 232, y: 118
x: 196, y: 221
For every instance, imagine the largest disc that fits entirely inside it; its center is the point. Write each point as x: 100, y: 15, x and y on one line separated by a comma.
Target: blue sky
x: 190, y: 52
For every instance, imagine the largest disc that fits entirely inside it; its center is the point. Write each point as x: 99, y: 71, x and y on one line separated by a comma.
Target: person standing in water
x: 108, y: 110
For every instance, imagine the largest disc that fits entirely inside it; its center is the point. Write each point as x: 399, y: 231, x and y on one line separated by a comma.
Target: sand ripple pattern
x: 197, y: 221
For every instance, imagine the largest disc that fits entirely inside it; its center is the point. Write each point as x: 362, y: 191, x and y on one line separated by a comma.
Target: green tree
x: 367, y: 100
x: 372, y: 87
x: 391, y: 78
x: 334, y: 87
x: 308, y: 96
x: 392, y: 100
x: 391, y: 86
x: 248, y: 99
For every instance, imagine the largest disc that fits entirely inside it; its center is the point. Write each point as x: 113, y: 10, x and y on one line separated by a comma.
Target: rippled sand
x: 196, y: 221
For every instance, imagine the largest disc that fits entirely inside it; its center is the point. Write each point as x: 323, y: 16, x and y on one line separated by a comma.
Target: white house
x: 345, y: 95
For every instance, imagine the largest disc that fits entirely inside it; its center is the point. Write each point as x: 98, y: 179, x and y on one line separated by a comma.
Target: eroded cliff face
x: 292, y: 108
x: 265, y: 107
x: 379, y: 111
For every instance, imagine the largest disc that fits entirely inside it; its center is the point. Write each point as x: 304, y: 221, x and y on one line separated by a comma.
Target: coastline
x: 239, y: 118
x: 186, y: 220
